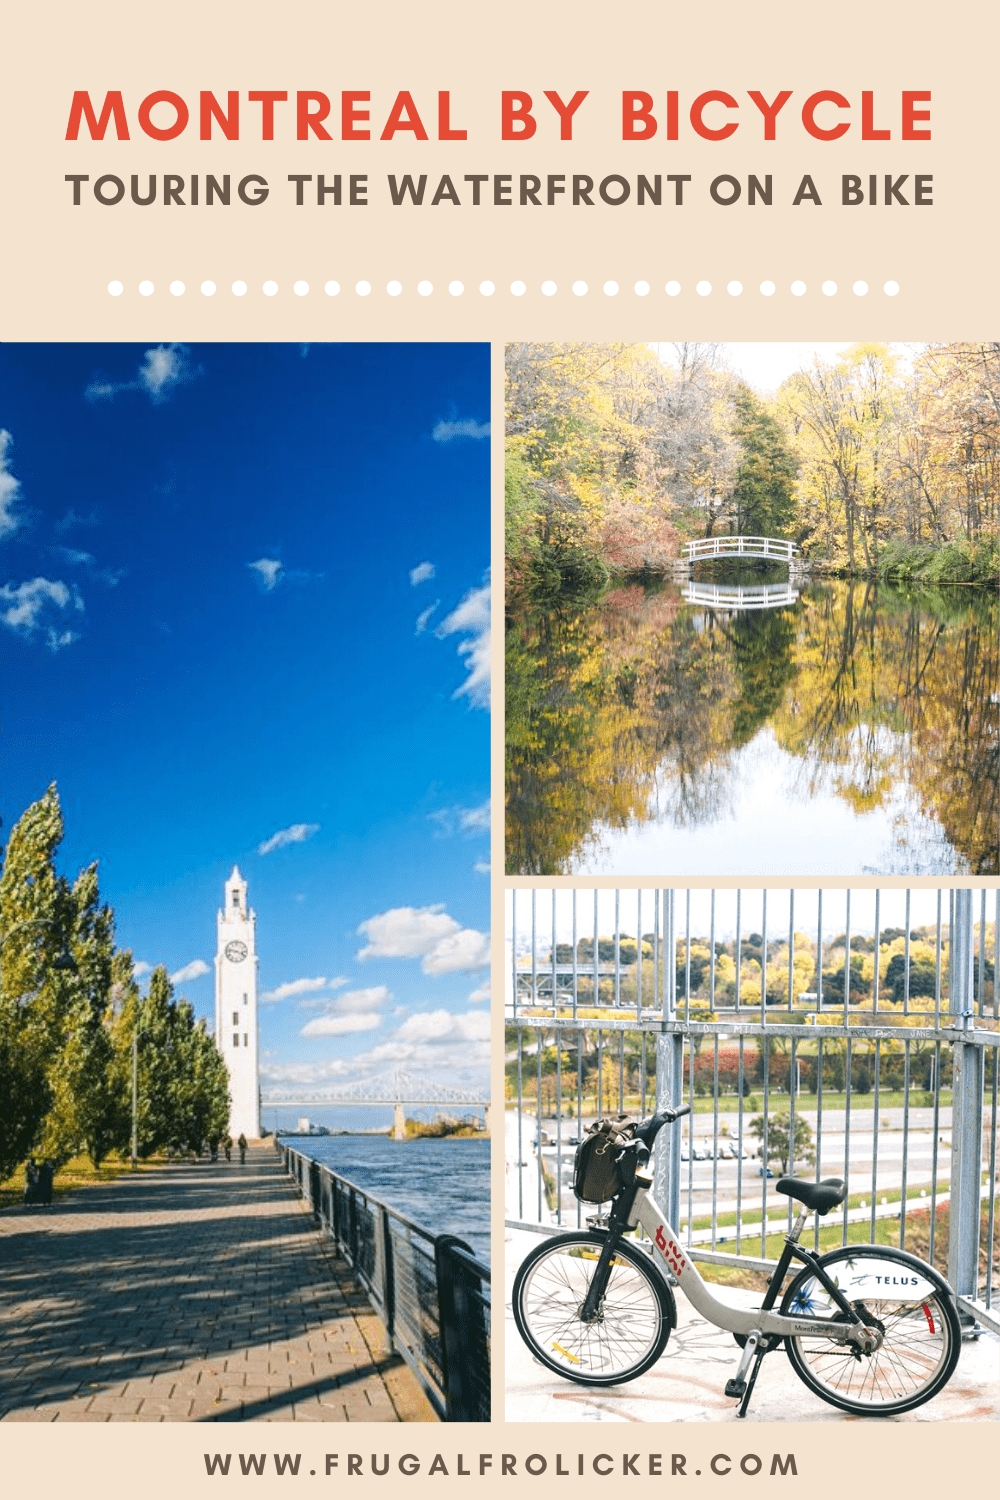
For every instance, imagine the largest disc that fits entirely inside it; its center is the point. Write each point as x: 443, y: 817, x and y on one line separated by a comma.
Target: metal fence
x: 430, y: 1291
x: 849, y: 1033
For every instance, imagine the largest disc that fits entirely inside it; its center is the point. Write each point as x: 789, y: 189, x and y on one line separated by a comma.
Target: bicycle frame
x: 762, y: 1320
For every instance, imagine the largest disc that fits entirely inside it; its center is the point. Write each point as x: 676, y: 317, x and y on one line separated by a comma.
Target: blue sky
x: 244, y: 618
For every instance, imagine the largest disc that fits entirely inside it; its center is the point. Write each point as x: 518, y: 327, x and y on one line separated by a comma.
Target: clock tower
x: 236, y: 1006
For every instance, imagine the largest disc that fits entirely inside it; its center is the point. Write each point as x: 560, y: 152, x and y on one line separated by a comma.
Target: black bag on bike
x: 596, y: 1174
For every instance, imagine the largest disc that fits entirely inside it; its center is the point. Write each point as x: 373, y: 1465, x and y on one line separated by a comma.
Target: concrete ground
x: 687, y: 1383
x: 193, y: 1293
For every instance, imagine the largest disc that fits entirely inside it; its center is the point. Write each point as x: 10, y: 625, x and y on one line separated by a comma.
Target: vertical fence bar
x: 847, y: 963
x: 906, y: 960
x: 520, y: 1123
x: 878, y: 953
x: 553, y: 959
x: 875, y: 1108
x: 906, y: 1144
x: 991, y: 1180
x: 967, y: 1107
x: 937, y: 1114
x: 594, y: 956
x: 513, y: 950
x: 739, y: 1130
x: 576, y: 974
x: 534, y: 948
x: 638, y: 956
x: 739, y: 948
x: 669, y: 1078
x: 981, y: 997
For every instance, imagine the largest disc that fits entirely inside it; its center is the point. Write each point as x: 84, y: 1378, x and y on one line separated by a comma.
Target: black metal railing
x: 430, y: 1291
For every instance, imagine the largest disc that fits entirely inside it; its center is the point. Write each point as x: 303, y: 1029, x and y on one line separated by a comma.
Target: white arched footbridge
x: 741, y: 546
x: 732, y: 597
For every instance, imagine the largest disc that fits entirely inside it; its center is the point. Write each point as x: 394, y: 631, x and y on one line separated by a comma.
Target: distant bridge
x: 740, y: 546
x: 396, y: 1089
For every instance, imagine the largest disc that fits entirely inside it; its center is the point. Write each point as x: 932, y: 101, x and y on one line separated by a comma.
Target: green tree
x: 779, y: 1140
x: 764, y: 488
x: 36, y: 914
x: 85, y: 1092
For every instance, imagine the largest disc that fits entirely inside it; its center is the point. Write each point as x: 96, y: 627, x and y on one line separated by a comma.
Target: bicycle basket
x: 596, y: 1177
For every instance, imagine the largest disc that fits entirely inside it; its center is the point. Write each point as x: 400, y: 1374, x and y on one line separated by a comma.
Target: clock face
x: 236, y: 952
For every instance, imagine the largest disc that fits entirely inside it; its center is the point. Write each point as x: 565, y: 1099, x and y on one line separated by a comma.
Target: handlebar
x: 647, y: 1130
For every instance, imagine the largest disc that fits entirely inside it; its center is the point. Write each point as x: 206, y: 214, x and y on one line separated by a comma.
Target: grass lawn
x: 79, y: 1171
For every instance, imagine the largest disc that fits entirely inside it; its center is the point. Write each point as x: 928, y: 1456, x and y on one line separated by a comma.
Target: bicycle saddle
x: 819, y: 1196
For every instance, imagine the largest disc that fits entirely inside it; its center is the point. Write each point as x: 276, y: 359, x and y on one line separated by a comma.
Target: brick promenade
x: 189, y: 1294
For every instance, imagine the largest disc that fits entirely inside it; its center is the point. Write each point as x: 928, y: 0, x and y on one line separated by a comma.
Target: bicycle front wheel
x: 906, y: 1302
x: 629, y: 1330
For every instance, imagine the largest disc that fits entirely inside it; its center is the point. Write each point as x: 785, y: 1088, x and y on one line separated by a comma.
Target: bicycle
x: 870, y: 1329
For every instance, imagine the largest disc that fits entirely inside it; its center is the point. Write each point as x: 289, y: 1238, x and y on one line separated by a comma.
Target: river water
x: 444, y: 1185
x: 853, y: 730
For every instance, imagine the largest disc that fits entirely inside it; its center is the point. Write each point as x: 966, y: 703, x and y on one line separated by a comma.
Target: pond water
x: 848, y: 728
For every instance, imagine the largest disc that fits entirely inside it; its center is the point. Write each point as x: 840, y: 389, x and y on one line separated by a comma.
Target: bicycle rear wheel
x: 633, y: 1320
x: 901, y: 1297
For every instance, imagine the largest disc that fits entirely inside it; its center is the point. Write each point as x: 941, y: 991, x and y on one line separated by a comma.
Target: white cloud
x: 32, y: 606
x: 482, y: 867
x: 446, y: 432
x: 342, y: 1025
x: 471, y: 619
x: 423, y: 619
x: 482, y: 993
x: 421, y: 573
x: 296, y: 834
x: 443, y: 1044
x: 443, y: 945
x: 445, y: 1025
x: 77, y: 559
x: 301, y: 987
x: 475, y: 818
x: 330, y: 1070
x: 10, y: 488
x: 140, y: 969
x: 162, y: 370
x: 466, y: 819
x: 464, y: 951
x: 359, y: 1000
x: 268, y: 570
x: 57, y: 639
x: 194, y: 970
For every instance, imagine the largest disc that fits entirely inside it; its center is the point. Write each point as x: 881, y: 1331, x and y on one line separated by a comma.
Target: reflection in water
x: 739, y: 596
x: 854, y: 730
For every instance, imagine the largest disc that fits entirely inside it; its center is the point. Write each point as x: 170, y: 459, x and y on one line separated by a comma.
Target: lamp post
x: 135, y: 1088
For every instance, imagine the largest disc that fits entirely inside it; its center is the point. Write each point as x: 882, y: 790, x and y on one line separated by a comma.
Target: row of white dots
x: 517, y: 288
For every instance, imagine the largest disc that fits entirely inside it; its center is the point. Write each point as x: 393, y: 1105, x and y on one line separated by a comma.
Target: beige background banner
x: 58, y: 261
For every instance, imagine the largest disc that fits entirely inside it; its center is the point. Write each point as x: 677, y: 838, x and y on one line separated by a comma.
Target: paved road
x: 194, y: 1293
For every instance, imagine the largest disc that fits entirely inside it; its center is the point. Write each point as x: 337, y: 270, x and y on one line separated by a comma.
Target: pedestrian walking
x: 242, y: 1143
x: 228, y: 1147
x: 31, y: 1191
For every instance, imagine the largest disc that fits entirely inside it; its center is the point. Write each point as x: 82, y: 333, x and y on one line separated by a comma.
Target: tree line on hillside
x: 702, y: 975
x: 615, y: 456
x: 70, y: 1011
